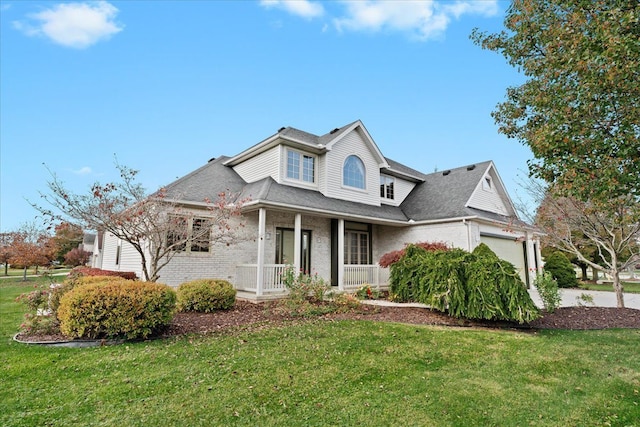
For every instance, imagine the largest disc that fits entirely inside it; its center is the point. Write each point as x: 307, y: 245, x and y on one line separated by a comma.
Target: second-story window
x: 353, y: 173
x: 386, y: 187
x: 300, y: 166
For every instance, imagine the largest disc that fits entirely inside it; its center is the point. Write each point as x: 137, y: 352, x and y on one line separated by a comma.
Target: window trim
x: 193, y: 245
x: 384, y: 187
x: 364, y: 173
x: 301, y: 166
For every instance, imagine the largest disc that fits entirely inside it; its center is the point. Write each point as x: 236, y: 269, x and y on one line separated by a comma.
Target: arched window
x: 353, y: 172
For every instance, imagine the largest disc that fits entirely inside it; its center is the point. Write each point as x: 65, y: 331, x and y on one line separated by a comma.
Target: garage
x: 508, y: 249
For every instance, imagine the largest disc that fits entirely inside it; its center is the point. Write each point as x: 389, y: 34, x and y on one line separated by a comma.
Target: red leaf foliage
x: 392, y: 257
x: 88, y: 271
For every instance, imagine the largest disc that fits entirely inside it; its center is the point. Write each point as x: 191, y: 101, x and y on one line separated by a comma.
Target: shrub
x: 561, y: 269
x: 206, y: 295
x: 392, y: 257
x: 125, y: 309
x: 548, y: 289
x: 89, y: 271
x: 346, y: 302
x: 476, y: 285
x: 367, y: 292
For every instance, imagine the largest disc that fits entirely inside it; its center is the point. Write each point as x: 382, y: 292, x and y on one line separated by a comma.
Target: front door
x: 285, y: 248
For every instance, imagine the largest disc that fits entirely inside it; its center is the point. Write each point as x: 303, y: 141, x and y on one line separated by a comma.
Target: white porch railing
x: 246, y: 277
x: 354, y: 276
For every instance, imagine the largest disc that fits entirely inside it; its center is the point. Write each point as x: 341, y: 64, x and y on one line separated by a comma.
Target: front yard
x: 325, y: 373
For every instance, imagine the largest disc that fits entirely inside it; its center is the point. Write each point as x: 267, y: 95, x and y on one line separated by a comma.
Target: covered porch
x: 340, y: 251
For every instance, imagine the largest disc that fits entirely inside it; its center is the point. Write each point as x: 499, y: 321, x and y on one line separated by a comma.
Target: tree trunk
x: 24, y: 275
x: 583, y: 268
x: 595, y: 274
x: 617, y: 286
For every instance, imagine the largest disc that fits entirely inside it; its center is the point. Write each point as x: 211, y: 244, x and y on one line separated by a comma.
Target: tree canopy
x: 579, y: 108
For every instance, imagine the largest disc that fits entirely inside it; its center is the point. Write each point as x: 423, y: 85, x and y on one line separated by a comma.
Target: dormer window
x: 353, y: 173
x: 301, y: 166
x: 386, y: 187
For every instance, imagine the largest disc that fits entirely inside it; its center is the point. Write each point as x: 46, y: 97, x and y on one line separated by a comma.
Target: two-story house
x: 332, y: 205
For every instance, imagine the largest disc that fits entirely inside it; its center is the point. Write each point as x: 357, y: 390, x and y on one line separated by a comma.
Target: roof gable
x: 446, y: 194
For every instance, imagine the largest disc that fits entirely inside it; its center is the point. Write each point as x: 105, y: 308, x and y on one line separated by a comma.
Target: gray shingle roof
x: 444, y: 194
x: 206, y: 182
x: 269, y: 191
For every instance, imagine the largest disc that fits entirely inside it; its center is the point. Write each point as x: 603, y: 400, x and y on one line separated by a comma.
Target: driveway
x: 571, y: 297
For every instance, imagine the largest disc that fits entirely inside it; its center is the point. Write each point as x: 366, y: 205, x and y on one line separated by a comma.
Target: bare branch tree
x: 153, y: 225
x: 577, y: 227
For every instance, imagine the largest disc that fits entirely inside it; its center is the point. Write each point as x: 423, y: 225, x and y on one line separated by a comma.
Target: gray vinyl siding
x: 261, y: 166
x: 352, y: 144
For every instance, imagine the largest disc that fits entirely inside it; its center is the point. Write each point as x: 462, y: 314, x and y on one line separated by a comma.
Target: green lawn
x: 629, y: 287
x: 325, y: 373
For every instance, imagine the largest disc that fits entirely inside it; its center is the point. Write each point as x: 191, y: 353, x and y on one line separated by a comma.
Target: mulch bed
x: 247, y: 315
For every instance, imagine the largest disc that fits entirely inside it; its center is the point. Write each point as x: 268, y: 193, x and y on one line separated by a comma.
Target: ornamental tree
x: 579, y: 107
x: 31, y: 246
x: 152, y: 224
x: 579, y: 228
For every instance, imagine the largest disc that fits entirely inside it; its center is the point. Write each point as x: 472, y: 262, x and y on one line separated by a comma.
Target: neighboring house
x: 333, y: 205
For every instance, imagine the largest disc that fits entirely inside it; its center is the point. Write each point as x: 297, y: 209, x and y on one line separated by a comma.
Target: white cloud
x: 304, y: 8
x: 422, y: 19
x: 85, y: 170
x: 76, y: 25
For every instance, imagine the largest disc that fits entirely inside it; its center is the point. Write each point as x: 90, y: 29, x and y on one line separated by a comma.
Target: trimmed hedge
x: 476, y: 285
x: 116, y: 309
x: 89, y: 271
x: 206, y: 295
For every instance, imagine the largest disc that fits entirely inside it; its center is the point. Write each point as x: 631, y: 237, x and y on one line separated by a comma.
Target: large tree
x: 66, y: 238
x: 151, y: 223
x: 6, y: 250
x: 578, y: 109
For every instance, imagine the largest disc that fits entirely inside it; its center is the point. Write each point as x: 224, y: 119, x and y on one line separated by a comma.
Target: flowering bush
x: 302, y: 286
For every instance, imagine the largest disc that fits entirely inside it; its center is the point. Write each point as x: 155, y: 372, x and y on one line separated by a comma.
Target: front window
x: 386, y: 187
x: 300, y: 166
x: 189, y: 234
x: 357, y: 241
x: 353, y: 173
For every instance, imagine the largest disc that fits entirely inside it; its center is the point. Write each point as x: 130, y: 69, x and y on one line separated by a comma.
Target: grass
x: 629, y: 287
x: 325, y: 373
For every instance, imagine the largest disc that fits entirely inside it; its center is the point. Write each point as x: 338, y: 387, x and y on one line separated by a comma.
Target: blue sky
x: 166, y: 85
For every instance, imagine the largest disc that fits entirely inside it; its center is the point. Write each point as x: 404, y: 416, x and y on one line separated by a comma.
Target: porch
x: 271, y: 286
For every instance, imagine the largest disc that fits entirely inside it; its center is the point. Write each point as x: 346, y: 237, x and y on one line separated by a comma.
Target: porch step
x: 252, y: 297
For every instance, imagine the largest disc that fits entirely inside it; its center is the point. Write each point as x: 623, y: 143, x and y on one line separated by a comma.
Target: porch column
x: 341, y: 254
x: 262, y: 220
x: 297, y: 242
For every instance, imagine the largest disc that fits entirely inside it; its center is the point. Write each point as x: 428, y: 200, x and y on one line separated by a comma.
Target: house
x: 333, y: 205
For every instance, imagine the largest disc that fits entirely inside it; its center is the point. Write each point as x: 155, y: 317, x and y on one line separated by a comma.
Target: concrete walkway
x: 571, y: 297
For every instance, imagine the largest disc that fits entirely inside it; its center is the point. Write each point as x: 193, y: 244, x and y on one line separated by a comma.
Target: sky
x: 163, y: 86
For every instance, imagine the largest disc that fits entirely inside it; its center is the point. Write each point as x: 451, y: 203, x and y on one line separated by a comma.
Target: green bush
x: 476, y: 285
x: 561, y: 269
x: 118, y: 309
x: 206, y: 295
x: 548, y: 289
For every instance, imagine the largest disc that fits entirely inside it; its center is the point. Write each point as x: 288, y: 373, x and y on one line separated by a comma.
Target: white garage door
x: 508, y: 250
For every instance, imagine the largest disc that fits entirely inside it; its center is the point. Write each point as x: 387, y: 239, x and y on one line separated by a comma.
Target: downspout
x: 464, y: 221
